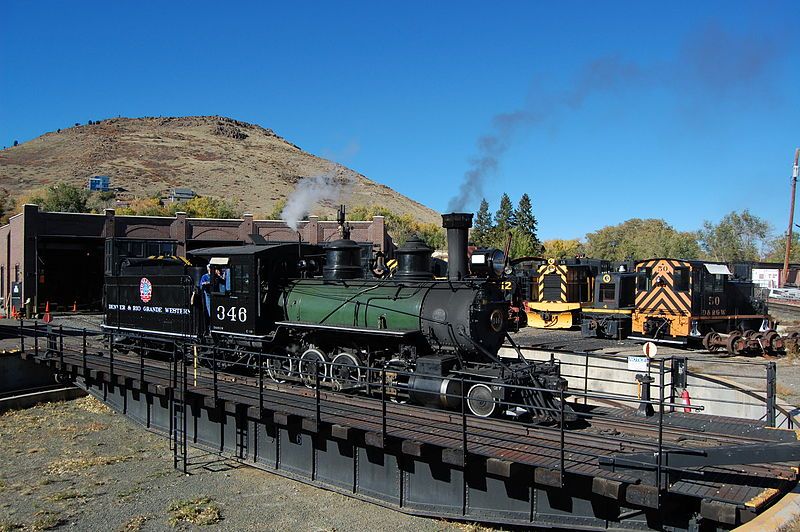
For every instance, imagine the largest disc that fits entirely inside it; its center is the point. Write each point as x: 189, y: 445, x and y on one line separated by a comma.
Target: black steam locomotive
x: 318, y: 319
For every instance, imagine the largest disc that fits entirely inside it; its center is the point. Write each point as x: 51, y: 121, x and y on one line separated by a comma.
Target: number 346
x: 232, y: 313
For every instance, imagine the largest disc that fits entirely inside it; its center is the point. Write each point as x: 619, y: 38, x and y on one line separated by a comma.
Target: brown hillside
x: 217, y: 156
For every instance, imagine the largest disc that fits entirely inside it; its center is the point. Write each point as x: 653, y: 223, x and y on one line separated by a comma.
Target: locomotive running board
x: 111, y: 328
x: 380, y: 332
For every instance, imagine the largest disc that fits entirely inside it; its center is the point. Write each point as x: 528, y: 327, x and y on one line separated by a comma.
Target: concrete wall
x: 609, y: 374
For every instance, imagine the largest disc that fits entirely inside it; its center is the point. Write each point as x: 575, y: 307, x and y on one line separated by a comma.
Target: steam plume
x: 710, y: 62
x: 308, y: 192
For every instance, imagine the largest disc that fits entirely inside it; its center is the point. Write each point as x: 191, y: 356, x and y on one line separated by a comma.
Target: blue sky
x: 607, y: 110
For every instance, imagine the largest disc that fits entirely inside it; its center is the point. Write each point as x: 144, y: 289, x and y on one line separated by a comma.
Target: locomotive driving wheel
x: 712, y: 341
x: 280, y: 368
x: 480, y: 401
x: 735, y: 343
x: 346, y: 371
x: 308, y: 361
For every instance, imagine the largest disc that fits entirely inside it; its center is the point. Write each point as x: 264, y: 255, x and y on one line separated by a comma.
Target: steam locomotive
x: 319, y: 320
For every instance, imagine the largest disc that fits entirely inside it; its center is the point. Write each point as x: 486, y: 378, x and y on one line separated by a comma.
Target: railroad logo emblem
x: 145, y: 289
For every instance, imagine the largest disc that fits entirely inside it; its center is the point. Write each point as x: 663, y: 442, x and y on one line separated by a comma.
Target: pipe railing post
x: 141, y: 369
x: 585, y: 378
x: 83, y: 356
x: 36, y: 339
x: 464, y: 447
x: 111, y: 358
x: 771, y: 413
x: 561, y: 430
x: 21, y: 336
x: 260, y: 383
x: 316, y: 390
x: 184, y: 393
x: 61, y: 347
x: 214, y: 368
x: 383, y: 403
x: 660, y: 428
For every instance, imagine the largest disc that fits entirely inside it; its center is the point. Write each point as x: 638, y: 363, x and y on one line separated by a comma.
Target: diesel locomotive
x: 609, y: 313
x: 318, y: 319
x: 559, y: 288
x: 685, y: 301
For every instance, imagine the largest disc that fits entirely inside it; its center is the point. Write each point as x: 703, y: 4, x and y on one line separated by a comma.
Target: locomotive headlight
x: 496, y: 320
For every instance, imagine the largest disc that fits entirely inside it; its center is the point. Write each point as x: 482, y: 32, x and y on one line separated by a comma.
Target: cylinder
x: 457, y: 225
x: 413, y: 261
x: 436, y: 392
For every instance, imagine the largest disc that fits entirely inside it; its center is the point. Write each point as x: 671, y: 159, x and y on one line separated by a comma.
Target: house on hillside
x: 181, y: 194
x: 99, y: 183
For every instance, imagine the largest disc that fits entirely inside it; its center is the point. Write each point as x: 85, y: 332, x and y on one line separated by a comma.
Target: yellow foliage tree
x: 558, y: 248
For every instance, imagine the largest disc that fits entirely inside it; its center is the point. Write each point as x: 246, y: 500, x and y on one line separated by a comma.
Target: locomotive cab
x: 241, y: 295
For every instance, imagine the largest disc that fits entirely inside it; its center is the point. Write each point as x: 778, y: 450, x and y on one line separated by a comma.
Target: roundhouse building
x: 61, y: 258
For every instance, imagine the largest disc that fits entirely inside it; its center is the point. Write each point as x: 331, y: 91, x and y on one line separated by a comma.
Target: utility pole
x: 791, y: 219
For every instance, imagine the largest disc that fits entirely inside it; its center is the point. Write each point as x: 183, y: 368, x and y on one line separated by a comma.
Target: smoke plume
x: 711, y: 62
x: 309, y: 192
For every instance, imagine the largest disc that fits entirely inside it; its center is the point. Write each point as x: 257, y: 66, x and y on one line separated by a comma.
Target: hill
x: 246, y: 164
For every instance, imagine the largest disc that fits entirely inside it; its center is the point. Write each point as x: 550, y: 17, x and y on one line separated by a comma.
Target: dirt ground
x: 78, y: 465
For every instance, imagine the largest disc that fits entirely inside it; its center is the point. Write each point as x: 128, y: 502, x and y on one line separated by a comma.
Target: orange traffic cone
x: 75, y: 306
x: 13, y: 312
x: 47, y: 317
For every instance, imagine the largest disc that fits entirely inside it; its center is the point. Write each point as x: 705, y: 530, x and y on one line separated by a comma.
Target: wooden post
x: 785, y: 275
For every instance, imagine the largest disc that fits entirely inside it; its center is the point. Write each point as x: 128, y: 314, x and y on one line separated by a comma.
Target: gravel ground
x: 78, y: 465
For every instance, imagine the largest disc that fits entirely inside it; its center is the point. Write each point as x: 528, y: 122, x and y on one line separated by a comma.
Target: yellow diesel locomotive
x: 559, y: 288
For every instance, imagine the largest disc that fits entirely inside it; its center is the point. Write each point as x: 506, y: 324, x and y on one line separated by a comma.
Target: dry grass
x: 198, y: 511
x: 64, y: 495
x: 46, y: 520
x: 90, y: 404
x: 8, y: 526
x: 134, y: 524
x: 75, y: 465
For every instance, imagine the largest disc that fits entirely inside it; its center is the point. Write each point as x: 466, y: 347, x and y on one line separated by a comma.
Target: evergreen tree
x: 526, y: 222
x: 504, y: 218
x: 482, y: 230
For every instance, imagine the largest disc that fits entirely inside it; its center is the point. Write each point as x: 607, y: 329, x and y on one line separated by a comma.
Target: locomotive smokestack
x: 457, y: 225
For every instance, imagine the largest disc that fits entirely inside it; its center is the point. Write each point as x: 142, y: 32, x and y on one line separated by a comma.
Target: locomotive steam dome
x: 414, y: 261
x: 342, y: 260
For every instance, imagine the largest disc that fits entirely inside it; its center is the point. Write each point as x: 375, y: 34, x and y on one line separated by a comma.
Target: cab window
x: 221, y: 280
x: 241, y: 279
x: 607, y: 292
x: 681, y: 279
x: 644, y: 281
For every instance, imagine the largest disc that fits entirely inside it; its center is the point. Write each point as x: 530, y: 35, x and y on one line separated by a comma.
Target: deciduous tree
x: 641, y: 239
x: 739, y: 236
